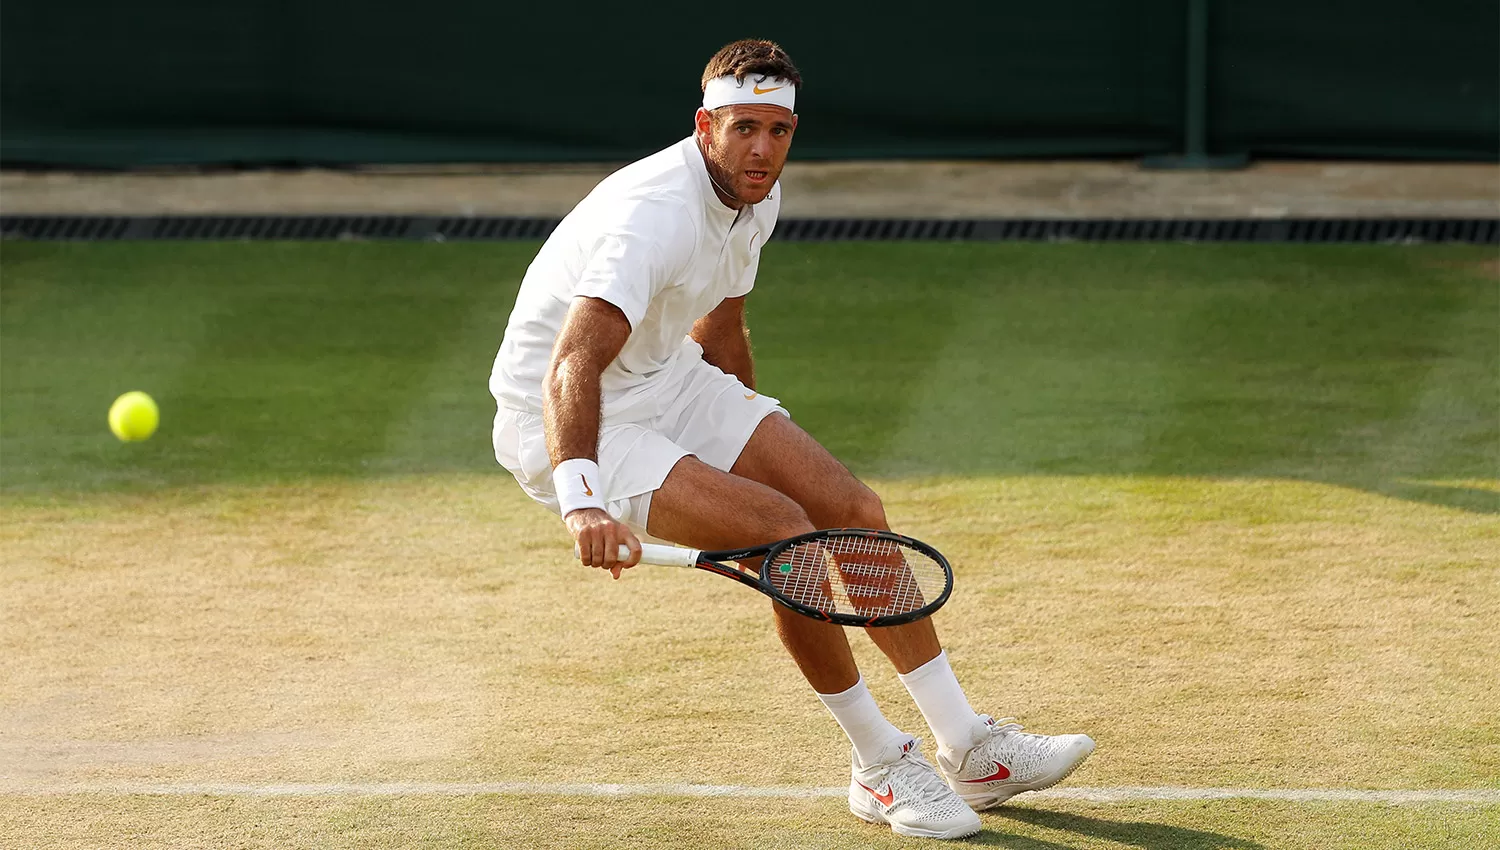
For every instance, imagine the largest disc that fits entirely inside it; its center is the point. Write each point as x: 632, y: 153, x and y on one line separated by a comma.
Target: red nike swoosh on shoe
x: 885, y: 799
x: 1001, y: 772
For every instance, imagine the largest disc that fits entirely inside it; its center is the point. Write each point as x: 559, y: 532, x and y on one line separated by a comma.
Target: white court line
x: 1126, y: 794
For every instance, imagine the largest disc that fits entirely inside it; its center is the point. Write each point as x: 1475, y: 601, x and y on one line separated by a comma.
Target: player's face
x: 746, y: 145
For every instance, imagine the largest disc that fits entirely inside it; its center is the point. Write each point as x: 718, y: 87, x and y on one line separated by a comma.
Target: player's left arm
x: 726, y: 340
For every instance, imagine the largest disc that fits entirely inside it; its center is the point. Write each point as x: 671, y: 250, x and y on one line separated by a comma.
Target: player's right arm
x: 591, y: 338
x: 642, y: 247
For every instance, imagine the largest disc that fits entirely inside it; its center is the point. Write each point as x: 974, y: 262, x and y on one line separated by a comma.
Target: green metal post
x: 1195, y: 98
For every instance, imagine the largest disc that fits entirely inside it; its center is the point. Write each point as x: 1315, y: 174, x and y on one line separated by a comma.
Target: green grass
x: 1229, y: 509
x: 1366, y: 366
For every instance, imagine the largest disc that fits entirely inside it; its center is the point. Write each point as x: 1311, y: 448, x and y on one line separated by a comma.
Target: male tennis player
x: 628, y: 406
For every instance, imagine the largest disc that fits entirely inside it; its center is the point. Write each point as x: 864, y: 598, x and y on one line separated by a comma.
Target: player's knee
x: 863, y: 510
x: 787, y: 518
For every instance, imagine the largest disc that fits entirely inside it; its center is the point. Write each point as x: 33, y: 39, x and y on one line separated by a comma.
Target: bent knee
x: 860, y: 509
x: 785, y: 518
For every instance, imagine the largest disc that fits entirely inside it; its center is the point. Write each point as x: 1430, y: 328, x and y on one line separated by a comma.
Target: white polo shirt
x: 654, y: 240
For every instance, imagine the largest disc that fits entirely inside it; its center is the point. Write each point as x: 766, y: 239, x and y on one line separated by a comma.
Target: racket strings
x: 856, y: 574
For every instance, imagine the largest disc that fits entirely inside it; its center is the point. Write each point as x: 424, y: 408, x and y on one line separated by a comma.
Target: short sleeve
x: 638, y: 256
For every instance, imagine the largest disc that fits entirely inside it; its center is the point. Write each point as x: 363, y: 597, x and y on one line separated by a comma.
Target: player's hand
x: 599, y: 537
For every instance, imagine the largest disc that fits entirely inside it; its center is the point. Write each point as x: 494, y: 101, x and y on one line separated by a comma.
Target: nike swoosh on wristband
x: 1001, y: 772
x: 885, y: 799
x: 587, y: 491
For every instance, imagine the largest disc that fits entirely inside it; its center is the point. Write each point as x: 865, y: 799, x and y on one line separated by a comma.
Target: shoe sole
x: 990, y: 799
x: 915, y: 832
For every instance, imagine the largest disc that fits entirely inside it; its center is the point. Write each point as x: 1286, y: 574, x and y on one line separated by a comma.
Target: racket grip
x: 668, y: 556
x: 654, y: 553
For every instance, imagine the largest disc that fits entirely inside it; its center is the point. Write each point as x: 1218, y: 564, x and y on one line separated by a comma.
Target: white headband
x: 755, y: 88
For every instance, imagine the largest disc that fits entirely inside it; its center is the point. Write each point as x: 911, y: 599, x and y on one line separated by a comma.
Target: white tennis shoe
x: 1003, y: 761
x: 904, y: 790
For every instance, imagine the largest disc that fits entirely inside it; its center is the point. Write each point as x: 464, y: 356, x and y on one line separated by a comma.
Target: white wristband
x: 578, y: 485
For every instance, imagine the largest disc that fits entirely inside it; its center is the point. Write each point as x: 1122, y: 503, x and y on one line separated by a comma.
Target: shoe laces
x: 918, y: 775
x: 1019, y: 750
x: 1007, y: 726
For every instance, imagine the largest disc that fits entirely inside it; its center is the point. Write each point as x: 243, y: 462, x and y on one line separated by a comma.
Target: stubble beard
x: 722, y: 177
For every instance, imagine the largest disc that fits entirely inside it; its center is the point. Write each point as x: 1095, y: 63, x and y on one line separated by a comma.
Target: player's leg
x: 787, y: 459
x: 784, y: 457
x: 706, y: 508
x: 715, y: 416
x: 985, y: 762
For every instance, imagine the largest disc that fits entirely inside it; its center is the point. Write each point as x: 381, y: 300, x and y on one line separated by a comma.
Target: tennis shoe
x: 904, y: 790
x: 1002, y: 761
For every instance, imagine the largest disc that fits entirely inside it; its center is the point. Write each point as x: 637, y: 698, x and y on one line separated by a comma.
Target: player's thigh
x: 784, y: 457
x: 731, y: 427
x: 707, y: 508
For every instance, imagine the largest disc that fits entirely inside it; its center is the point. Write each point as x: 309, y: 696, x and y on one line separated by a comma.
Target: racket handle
x: 654, y: 553
x: 667, y: 556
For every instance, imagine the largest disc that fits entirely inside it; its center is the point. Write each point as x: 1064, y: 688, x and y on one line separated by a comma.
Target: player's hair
x: 751, y: 56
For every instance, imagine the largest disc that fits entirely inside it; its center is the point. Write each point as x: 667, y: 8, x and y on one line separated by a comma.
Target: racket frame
x: 675, y: 556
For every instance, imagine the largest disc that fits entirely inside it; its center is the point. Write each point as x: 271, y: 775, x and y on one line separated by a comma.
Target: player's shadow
x: 1152, y: 836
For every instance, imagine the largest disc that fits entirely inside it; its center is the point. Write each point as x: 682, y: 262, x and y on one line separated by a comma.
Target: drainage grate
x: 65, y: 228
x: 311, y: 227
x: 494, y: 228
x: 874, y: 229
x: 1480, y: 231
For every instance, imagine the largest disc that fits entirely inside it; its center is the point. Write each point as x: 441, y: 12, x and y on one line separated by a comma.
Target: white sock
x: 942, y: 703
x: 861, y: 720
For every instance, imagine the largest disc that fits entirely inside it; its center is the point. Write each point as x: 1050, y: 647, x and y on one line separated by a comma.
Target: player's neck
x: 726, y: 197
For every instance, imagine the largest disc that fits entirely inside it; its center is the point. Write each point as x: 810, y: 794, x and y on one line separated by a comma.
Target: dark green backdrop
x: 104, y: 83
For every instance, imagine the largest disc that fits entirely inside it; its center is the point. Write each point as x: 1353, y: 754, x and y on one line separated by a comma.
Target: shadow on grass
x: 1152, y: 836
x: 1451, y: 496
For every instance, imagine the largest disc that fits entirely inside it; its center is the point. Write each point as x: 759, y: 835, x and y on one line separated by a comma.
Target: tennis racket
x: 848, y: 576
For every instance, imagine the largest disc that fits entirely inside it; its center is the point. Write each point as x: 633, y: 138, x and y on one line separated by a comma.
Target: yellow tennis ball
x: 133, y: 416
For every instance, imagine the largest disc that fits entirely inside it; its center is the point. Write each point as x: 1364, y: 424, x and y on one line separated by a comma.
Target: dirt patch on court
x: 1488, y: 268
x: 434, y: 629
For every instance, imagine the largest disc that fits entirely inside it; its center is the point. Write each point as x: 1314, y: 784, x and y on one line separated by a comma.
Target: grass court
x: 1233, y: 510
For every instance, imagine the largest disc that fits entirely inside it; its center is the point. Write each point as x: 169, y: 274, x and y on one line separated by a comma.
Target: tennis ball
x: 133, y: 416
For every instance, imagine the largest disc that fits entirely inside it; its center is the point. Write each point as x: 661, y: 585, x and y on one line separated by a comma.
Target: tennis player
x: 628, y: 406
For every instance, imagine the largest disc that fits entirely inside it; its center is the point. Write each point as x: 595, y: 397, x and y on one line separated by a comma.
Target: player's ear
x: 704, y: 123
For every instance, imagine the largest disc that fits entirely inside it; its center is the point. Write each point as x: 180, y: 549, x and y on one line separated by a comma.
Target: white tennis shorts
x: 711, y: 416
